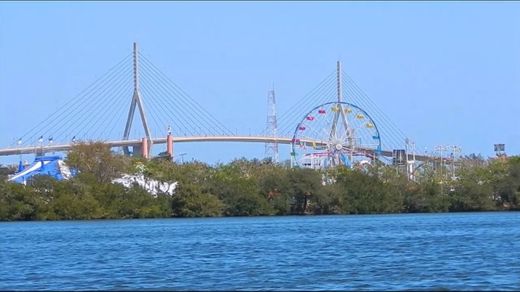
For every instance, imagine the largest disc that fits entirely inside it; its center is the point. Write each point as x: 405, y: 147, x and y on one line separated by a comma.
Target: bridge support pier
x: 169, y: 145
x: 144, y: 148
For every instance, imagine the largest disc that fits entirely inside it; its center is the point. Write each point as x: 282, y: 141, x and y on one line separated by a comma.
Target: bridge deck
x: 120, y: 143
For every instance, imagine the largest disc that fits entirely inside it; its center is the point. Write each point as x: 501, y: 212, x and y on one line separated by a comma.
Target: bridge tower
x: 339, y: 87
x: 271, y: 149
x: 341, y: 113
x: 137, y: 101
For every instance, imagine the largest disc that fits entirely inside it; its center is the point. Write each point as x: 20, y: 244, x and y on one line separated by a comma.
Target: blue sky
x: 444, y: 72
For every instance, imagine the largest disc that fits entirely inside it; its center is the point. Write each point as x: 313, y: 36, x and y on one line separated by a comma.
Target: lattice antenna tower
x: 271, y: 149
x: 137, y: 101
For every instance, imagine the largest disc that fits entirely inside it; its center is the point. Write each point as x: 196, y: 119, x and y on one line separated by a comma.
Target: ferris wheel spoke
x: 314, y: 131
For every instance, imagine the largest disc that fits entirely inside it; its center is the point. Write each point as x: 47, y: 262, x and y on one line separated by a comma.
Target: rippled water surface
x: 461, y: 251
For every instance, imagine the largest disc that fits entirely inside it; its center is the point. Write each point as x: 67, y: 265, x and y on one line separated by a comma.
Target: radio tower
x: 271, y: 149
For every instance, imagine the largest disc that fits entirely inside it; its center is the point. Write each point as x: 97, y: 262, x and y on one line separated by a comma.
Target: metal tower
x: 136, y: 100
x: 271, y: 149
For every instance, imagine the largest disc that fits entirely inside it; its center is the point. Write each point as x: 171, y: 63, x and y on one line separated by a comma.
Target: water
x: 462, y: 251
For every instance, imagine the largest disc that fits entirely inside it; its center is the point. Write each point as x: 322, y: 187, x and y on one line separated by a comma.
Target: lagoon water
x: 457, y: 251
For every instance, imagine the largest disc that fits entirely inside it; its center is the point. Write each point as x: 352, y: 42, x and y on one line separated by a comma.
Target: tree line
x: 257, y: 187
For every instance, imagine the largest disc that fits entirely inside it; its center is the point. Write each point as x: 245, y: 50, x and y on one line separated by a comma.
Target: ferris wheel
x: 333, y: 134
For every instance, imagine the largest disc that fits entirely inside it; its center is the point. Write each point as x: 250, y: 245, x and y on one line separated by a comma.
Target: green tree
x: 20, y: 202
x: 237, y: 187
x: 274, y: 186
x: 506, y: 181
x: 304, y: 187
x: 190, y: 201
x: 473, y: 190
x: 96, y: 162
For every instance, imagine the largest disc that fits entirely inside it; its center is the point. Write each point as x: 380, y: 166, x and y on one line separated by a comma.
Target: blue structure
x: 51, y: 165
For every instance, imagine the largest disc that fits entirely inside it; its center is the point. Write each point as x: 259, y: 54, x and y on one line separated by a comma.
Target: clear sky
x: 444, y: 72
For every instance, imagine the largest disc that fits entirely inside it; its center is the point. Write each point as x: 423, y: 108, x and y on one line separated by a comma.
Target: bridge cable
x: 179, y: 115
x: 72, y: 102
x: 395, y: 134
x: 84, y: 114
x: 188, y: 103
x: 381, y: 125
x: 95, y: 113
x: 77, y: 97
x: 172, y: 109
x: 121, y: 94
x: 59, y: 119
x: 298, y: 116
x: 307, y: 103
x: 173, y: 85
x: 363, y: 93
x: 307, y: 100
x: 154, y: 91
x: 171, y: 101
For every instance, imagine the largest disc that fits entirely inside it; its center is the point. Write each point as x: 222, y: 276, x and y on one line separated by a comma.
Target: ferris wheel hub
x: 339, y: 147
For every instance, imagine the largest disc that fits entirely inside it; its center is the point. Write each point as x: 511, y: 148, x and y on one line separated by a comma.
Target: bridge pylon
x: 137, y: 101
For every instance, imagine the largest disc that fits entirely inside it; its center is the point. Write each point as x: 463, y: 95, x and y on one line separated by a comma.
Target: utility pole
x: 441, y: 149
x: 455, y: 150
x: 137, y: 101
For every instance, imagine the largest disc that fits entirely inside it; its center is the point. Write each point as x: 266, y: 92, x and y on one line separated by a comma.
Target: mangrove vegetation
x: 256, y: 188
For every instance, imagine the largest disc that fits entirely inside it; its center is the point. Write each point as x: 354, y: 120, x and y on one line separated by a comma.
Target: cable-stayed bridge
x: 335, y: 123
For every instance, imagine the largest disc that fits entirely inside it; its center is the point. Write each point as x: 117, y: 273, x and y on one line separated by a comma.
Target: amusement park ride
x: 341, y: 133
x: 336, y: 132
